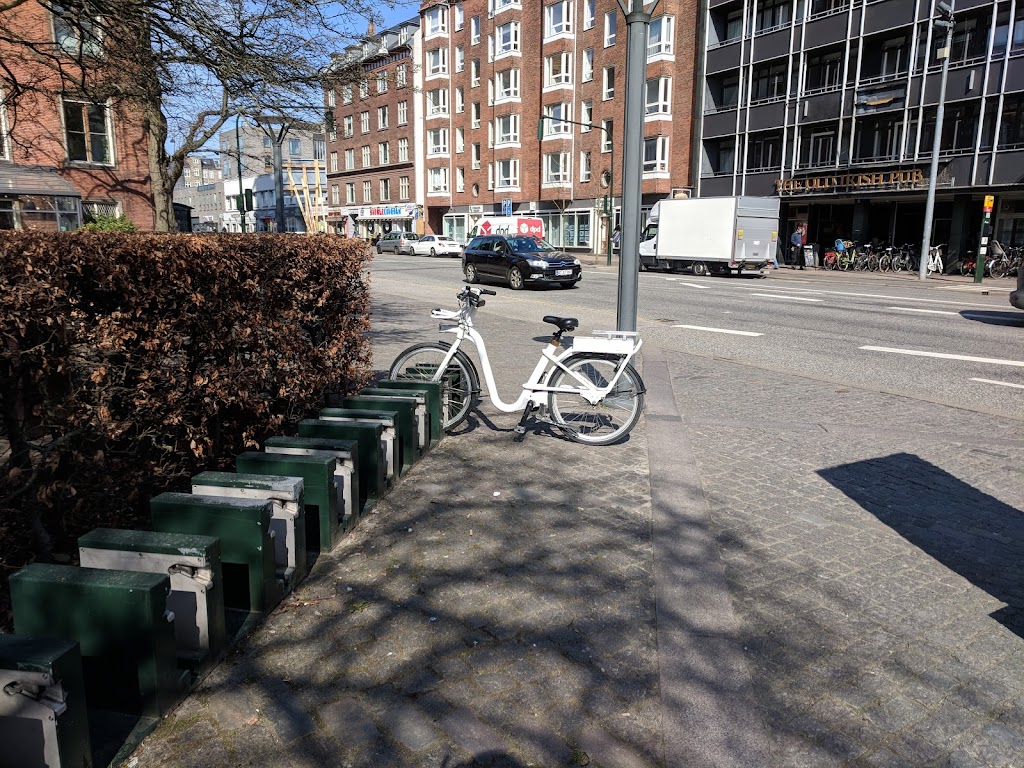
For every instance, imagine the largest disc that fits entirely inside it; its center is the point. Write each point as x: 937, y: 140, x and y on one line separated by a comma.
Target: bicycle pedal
x: 519, y: 430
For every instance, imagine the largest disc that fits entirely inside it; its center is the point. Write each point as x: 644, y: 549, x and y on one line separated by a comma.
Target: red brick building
x: 492, y: 69
x: 62, y: 155
x: 374, y: 165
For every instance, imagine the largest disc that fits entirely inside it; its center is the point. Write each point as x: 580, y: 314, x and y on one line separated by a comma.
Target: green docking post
x: 346, y: 468
x: 370, y: 445
x: 432, y: 391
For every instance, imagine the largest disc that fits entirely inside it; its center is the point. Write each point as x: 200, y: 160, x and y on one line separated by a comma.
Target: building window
x: 437, y: 102
x: 558, y: 69
x: 659, y: 37
x: 475, y: 114
x: 570, y: 229
x: 609, y: 29
x: 507, y: 129
x: 403, y: 112
x: 460, y: 140
x: 403, y: 187
x: 494, y: 6
x: 364, y: 88
x: 437, y: 180
x: 460, y: 100
x: 437, y: 62
x: 474, y: 73
x: 350, y: 192
x: 350, y: 159
x: 335, y: 195
x: 584, y: 167
x: 364, y: 121
x: 555, y: 117
x: 382, y: 118
x: 460, y: 58
x: 656, y: 154
x: 401, y: 76
x: 460, y: 180
x: 382, y: 82
x: 347, y: 128
x: 507, y: 173
x: 606, y: 135
x: 346, y: 94
x: 331, y: 99
x: 367, y: 191
x: 659, y: 96
x: 823, y: 72
x: 366, y: 156
x: 587, y: 73
x: 436, y: 21
x: 475, y: 156
x: 334, y: 161
x: 384, y: 153
x: 557, y: 168
x: 403, y: 150
x: 764, y: 153
x: 507, y: 84
x: 268, y: 164
x: 437, y: 142
x: 474, y: 30
x: 586, y: 115
x: 385, y: 189
x: 768, y: 82
x: 87, y: 133
x: 506, y: 38
x: 608, y: 84
x: 821, y: 148
x: 722, y: 157
x: 558, y: 18
x: 589, y: 13
x: 77, y: 34
x: 879, y: 139
x: 294, y: 147
x: 460, y: 17
x: 772, y: 14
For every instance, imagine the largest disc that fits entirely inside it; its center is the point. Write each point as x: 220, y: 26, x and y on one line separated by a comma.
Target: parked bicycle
x: 935, y: 259
x: 588, y: 388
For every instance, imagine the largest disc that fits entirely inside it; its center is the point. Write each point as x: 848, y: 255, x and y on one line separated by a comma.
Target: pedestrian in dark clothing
x: 797, y: 240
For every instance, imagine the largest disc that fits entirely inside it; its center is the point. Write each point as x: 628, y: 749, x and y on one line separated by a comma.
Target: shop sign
x: 849, y: 182
x: 990, y: 202
x: 334, y: 214
x: 476, y: 209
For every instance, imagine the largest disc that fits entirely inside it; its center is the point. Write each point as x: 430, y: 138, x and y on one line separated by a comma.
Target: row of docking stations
x: 101, y: 651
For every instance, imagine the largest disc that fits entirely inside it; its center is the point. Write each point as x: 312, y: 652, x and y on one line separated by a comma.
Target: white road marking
x: 928, y: 311
x: 718, y: 330
x: 944, y: 356
x: 870, y: 296
x: 694, y: 285
x: 777, y: 296
x: 670, y: 279
x: 1000, y: 383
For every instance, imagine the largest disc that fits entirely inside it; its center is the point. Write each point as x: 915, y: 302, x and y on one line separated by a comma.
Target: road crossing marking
x: 694, y: 285
x: 944, y: 356
x: 928, y: 311
x: 868, y: 296
x: 1000, y: 383
x: 791, y: 298
x: 718, y: 330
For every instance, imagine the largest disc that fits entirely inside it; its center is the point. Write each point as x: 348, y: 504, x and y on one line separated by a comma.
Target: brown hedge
x: 131, y: 361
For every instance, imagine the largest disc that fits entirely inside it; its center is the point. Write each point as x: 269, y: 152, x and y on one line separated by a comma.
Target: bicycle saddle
x: 562, y: 323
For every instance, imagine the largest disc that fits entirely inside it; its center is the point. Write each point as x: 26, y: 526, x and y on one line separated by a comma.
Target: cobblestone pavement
x: 873, y: 546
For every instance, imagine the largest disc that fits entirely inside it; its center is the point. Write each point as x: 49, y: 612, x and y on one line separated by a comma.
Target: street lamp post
x: 945, y: 19
x: 241, y: 195
x: 611, y: 172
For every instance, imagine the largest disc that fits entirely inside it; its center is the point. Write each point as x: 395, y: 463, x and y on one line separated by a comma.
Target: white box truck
x: 717, y: 235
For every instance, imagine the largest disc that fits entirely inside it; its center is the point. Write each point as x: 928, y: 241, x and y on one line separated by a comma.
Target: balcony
x: 888, y: 14
x: 724, y: 57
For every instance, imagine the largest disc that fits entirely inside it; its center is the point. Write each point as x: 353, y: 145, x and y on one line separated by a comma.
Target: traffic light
x: 248, y: 199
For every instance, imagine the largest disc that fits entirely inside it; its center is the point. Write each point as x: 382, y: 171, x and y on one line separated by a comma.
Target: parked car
x: 1017, y: 297
x: 435, y: 245
x: 396, y: 242
x: 519, y: 261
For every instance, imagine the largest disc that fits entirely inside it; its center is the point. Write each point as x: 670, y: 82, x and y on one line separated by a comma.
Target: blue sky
x: 393, y: 15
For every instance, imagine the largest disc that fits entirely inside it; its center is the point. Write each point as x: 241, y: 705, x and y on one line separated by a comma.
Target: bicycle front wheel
x: 422, y: 362
x: 608, y: 420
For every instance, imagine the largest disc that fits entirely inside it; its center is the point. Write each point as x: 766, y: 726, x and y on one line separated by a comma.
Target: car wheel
x: 379, y: 251
x: 471, y: 274
x: 515, y: 279
x: 700, y: 268
x: 433, y: 252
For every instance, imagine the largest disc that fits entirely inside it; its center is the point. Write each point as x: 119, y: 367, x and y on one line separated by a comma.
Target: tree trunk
x: 163, y: 188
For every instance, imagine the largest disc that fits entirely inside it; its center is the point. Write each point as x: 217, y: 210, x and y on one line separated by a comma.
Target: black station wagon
x: 519, y: 261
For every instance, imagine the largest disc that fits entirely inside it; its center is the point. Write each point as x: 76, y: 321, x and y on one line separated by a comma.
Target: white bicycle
x: 935, y: 259
x: 588, y: 389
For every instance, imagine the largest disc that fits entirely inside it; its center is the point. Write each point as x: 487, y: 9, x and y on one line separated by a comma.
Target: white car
x: 435, y: 245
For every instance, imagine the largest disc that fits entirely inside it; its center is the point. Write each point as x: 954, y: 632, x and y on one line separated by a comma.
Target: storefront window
x: 455, y: 228
x: 569, y: 230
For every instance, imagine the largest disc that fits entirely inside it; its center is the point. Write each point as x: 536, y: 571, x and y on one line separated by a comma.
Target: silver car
x: 396, y: 242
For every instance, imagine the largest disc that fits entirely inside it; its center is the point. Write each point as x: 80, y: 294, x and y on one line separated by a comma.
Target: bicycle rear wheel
x: 609, y: 420
x: 422, y: 362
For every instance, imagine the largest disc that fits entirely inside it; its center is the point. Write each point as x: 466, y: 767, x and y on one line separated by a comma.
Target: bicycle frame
x: 534, y: 391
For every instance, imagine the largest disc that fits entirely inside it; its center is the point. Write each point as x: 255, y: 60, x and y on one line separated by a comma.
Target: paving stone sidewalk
x: 874, y: 547
x: 496, y: 609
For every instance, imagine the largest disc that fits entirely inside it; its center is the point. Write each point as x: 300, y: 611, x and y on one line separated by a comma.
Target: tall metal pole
x: 611, y: 197
x: 279, y: 180
x: 929, y: 206
x: 241, y: 195
x: 638, y: 21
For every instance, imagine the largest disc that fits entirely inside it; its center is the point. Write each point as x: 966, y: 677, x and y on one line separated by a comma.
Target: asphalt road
x: 937, y: 342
